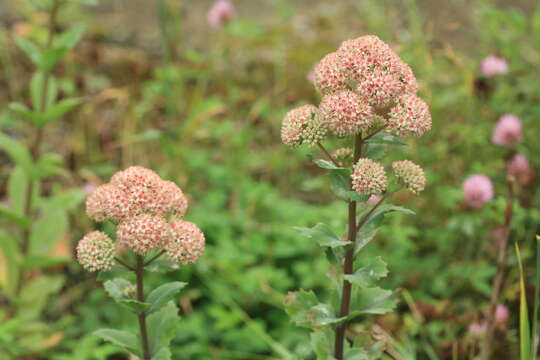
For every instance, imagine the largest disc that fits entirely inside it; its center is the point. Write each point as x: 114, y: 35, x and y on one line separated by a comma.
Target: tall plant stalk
x: 500, y: 275
x: 139, y: 272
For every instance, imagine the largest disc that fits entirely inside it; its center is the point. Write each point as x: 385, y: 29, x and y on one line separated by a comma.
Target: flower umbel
x: 369, y: 177
x: 410, y: 174
x: 329, y: 74
x: 345, y: 113
x: 95, y: 252
x: 410, y: 116
x: 187, y: 242
x: 144, y: 233
x: 302, y: 125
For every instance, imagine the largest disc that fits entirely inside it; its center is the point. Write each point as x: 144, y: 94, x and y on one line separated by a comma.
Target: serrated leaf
x: 304, y: 309
x: 323, y: 235
x: 322, y: 342
x: 162, y: 326
x: 124, y: 339
x: 340, y: 183
x: 116, y: 289
x: 372, y: 300
x: 163, y: 294
x: 376, y: 151
x: 163, y: 354
x: 366, y: 275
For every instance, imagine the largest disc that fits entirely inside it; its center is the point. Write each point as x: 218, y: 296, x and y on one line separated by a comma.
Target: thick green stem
x: 348, y: 265
x: 139, y: 272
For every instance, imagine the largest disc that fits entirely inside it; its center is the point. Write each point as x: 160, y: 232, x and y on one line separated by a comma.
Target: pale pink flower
x: 108, y: 202
x: 329, y: 75
x: 368, y: 177
x: 95, y: 252
x: 507, y: 131
x: 374, y: 199
x: 520, y: 169
x: 501, y: 314
x: 410, y: 175
x: 477, y: 190
x: 410, y: 116
x: 345, y: 113
x: 302, y: 125
x: 493, y: 65
x: 187, y: 242
x: 221, y: 13
x: 144, y: 233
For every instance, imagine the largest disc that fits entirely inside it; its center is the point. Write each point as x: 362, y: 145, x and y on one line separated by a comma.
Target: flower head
x: 329, y: 75
x: 507, y: 131
x: 95, y: 252
x: 345, y: 113
x: 144, y: 233
x: 493, y: 65
x: 410, y: 174
x: 171, y: 199
x: 368, y: 177
x: 107, y: 202
x: 187, y: 242
x: 501, y: 314
x: 381, y: 76
x: 221, y: 13
x: 520, y: 169
x: 477, y: 190
x: 302, y: 125
x: 410, y: 116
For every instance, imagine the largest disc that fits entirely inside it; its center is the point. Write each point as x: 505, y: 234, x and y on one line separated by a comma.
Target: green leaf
x: 322, y: 342
x: 376, y: 151
x: 340, y: 183
x: 48, y: 229
x: 68, y: 39
x: 124, y: 339
x: 524, y: 326
x: 117, y: 289
x: 51, y: 57
x: 363, y: 238
x: 372, y: 301
x: 323, y: 235
x: 86, y: 2
x: 163, y: 354
x: 23, y: 111
x: 384, y: 209
x: 34, y: 295
x: 163, y: 294
x: 11, y: 252
x: 30, y: 49
x: 304, y: 309
x: 40, y: 262
x: 48, y: 165
x: 55, y: 111
x: 12, y: 216
x: 113, y: 273
x: 16, y: 151
x: 17, y: 188
x: 162, y: 327
x: 161, y: 266
x: 324, y: 164
x: 385, y: 138
x: 37, y: 85
x: 366, y: 275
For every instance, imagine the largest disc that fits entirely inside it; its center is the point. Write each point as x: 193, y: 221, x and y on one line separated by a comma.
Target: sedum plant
x: 148, y: 212
x: 368, y: 103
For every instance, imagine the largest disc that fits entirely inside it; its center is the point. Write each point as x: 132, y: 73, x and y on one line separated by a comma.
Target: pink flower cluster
x: 369, y: 177
x: 507, y: 131
x: 221, y: 13
x: 141, y: 203
x: 477, y: 190
x: 493, y: 65
x: 359, y: 81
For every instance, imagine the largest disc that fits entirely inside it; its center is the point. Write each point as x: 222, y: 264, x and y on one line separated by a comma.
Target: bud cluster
x: 141, y: 203
x: 365, y: 87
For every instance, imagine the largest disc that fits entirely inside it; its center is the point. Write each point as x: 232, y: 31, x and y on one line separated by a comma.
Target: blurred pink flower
x: 373, y: 199
x: 507, y: 131
x: 477, y: 190
x: 221, y: 13
x: 89, y: 188
x: 477, y: 328
x: 520, y: 169
x: 501, y: 314
x: 493, y: 65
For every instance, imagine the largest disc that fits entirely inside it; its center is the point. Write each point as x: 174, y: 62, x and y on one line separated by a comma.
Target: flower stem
x: 139, y: 271
x: 328, y: 154
x: 500, y: 274
x: 154, y: 258
x: 123, y: 263
x: 348, y: 265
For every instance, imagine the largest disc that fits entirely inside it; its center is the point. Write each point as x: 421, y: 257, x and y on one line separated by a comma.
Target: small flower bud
x: 144, y: 233
x: 477, y: 190
x: 187, y: 242
x: 410, y: 174
x: 95, y: 252
x: 410, y: 116
x: 368, y: 177
x: 345, y: 113
x: 302, y: 126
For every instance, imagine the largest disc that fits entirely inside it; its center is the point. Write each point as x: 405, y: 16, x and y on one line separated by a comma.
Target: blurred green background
x: 202, y: 106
